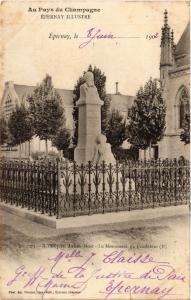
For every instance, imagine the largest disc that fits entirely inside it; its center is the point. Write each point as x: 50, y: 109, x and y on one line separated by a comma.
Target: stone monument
x: 102, y: 151
x: 92, y: 144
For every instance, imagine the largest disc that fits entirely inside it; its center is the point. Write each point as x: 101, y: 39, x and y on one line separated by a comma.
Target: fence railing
x: 66, y: 189
x: 33, y: 185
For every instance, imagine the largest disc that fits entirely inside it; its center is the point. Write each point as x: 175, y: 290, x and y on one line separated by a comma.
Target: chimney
x: 116, y: 91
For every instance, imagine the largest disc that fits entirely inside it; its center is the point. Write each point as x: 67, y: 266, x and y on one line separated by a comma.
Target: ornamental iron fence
x: 66, y: 189
x: 32, y: 185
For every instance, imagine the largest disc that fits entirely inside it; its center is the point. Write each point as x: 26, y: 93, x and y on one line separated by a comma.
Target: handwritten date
x: 94, y: 33
x: 152, y: 36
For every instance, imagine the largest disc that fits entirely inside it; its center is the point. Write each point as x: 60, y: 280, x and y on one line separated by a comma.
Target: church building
x: 175, y: 79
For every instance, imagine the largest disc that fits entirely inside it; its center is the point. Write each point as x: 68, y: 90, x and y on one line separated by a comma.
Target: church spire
x: 165, y: 37
x: 167, y: 48
x: 165, y: 17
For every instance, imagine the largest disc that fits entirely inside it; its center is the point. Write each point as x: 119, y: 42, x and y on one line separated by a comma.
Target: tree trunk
x: 60, y: 153
x: 46, y: 144
x: 144, y: 154
x: 20, y: 151
x: 150, y: 150
x: 29, y: 149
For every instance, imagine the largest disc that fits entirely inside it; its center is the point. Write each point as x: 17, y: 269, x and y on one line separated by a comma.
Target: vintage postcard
x: 94, y: 150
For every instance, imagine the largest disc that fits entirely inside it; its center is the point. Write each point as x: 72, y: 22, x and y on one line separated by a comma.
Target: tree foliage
x: 117, y: 129
x: 3, y: 131
x: 47, y: 112
x: 185, y: 134
x: 146, y: 117
x: 99, y: 80
x: 19, y: 126
x: 62, y: 139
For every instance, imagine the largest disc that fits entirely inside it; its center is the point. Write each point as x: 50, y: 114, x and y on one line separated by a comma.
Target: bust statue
x: 89, y: 79
x: 88, y: 90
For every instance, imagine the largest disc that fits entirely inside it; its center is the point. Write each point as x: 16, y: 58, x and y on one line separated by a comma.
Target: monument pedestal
x: 89, y: 126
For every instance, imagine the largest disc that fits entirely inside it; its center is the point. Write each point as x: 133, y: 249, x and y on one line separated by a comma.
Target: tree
x: 20, y: 126
x: 185, y: 134
x: 62, y: 140
x: 117, y: 129
x: 99, y: 80
x: 146, y: 118
x: 47, y: 112
x: 3, y: 131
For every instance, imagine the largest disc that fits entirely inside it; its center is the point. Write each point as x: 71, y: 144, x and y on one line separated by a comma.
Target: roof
x: 67, y: 96
x: 182, y: 54
x: 118, y: 101
x: 24, y: 90
x: 121, y: 102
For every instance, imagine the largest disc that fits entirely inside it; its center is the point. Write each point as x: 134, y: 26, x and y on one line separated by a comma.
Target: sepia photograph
x: 94, y: 150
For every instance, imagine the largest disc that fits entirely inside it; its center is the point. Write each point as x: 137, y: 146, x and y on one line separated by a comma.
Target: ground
x: 165, y: 238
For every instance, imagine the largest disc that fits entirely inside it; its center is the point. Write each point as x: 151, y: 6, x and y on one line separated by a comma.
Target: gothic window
x: 184, y: 107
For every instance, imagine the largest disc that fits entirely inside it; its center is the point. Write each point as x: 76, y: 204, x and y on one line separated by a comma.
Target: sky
x: 29, y: 53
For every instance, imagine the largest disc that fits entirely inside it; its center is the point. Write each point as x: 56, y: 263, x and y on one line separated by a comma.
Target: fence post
x: 74, y: 187
x: 154, y: 184
x: 35, y: 189
x: 6, y: 179
x: 117, y: 185
x: 175, y: 180
x: 129, y: 187
x: 187, y: 179
x: 89, y: 186
x: 49, y: 204
x: 103, y: 187
x: 58, y: 213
